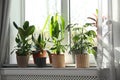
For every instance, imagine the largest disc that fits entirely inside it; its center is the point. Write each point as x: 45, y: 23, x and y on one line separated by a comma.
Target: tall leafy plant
x: 57, y: 30
x: 23, y: 37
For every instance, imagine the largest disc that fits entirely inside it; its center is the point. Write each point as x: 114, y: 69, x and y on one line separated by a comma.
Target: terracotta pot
x: 22, y: 61
x: 43, y: 54
x: 50, y: 58
x: 35, y: 55
x: 39, y: 58
x: 38, y: 54
x: 82, y: 60
x: 58, y: 61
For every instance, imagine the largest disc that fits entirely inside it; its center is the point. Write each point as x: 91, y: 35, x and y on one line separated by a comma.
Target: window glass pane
x: 36, y: 12
x: 81, y: 9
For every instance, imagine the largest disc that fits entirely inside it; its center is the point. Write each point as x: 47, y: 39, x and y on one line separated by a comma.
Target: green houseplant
x: 83, y: 42
x: 57, y: 30
x: 23, y: 47
x: 39, y: 55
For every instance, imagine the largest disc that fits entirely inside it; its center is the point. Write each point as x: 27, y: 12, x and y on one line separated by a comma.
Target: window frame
x: 65, y: 12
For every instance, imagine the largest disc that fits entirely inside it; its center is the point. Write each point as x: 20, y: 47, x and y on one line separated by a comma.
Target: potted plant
x: 39, y: 55
x: 57, y: 30
x: 83, y: 42
x: 23, y: 47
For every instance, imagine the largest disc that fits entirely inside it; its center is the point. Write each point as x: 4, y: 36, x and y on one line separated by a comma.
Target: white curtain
x: 4, y: 32
x: 108, y: 57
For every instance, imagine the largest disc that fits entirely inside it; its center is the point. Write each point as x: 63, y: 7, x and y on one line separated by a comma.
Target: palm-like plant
x: 57, y: 30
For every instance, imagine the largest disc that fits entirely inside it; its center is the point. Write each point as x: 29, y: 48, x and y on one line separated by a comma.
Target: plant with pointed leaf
x: 83, y: 40
x: 57, y: 30
x: 40, y: 42
x: 23, y: 37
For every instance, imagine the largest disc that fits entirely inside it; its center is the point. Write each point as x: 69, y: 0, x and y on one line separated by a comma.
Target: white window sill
x: 47, y: 66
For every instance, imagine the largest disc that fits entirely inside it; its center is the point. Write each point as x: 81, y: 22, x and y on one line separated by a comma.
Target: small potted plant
x: 39, y: 55
x: 57, y: 30
x: 83, y: 42
x: 23, y: 47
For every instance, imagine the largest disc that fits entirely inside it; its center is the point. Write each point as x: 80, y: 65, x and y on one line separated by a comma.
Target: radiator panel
x: 49, y: 74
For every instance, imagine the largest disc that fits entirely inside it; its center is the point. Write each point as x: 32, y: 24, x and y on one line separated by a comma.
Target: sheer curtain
x: 108, y: 57
x: 4, y: 31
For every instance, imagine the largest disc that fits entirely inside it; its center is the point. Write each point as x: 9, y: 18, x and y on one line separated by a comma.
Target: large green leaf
x: 62, y: 26
x: 56, y: 29
x: 29, y: 30
x: 91, y: 33
x: 22, y: 33
x: 26, y: 25
x: 51, y: 26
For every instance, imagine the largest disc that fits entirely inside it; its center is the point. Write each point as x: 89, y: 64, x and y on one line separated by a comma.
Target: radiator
x: 49, y: 74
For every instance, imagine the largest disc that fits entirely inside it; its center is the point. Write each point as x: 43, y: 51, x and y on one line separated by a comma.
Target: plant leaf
x: 29, y: 30
x: 26, y: 25
x: 15, y: 25
x: 62, y: 26
x: 45, y: 23
x: 39, y: 38
x: 22, y: 33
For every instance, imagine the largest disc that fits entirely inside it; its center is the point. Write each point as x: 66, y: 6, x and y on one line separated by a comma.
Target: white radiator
x: 49, y: 74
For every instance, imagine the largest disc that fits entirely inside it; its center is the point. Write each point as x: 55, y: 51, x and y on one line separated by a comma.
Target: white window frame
x: 65, y: 12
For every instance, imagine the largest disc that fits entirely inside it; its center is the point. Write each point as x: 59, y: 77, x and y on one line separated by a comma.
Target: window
x: 81, y: 9
x: 36, y: 12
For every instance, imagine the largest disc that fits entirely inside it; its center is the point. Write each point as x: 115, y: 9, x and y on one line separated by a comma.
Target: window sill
x: 47, y: 66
